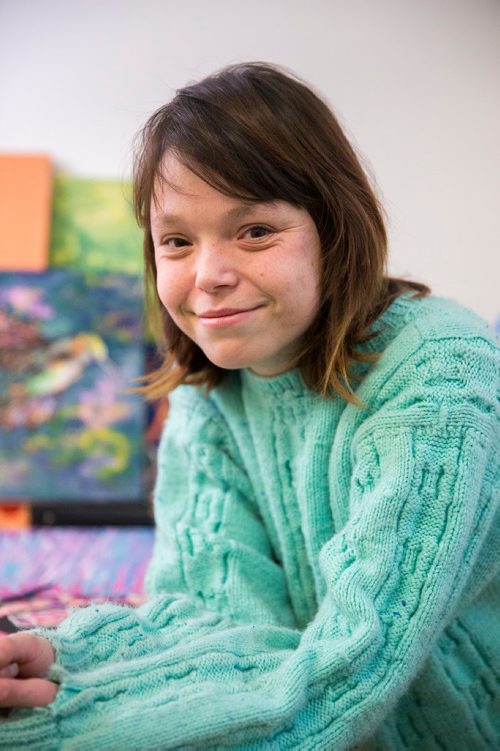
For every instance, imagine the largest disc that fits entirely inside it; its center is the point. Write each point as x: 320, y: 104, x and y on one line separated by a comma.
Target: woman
x: 324, y: 572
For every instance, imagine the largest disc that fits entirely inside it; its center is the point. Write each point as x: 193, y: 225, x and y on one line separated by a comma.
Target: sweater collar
x: 286, y: 383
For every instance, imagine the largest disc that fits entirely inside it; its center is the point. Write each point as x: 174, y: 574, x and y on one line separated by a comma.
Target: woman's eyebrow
x: 163, y: 218
x: 240, y: 212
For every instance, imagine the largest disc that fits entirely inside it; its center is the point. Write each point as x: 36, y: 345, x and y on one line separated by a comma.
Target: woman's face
x: 240, y: 279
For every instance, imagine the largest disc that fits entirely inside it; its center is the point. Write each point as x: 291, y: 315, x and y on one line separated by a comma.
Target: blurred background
x: 414, y: 82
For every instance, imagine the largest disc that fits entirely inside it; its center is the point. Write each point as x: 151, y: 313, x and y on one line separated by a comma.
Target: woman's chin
x: 229, y: 363
x: 265, y: 367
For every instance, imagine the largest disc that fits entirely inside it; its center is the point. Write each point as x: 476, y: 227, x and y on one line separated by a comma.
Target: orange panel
x: 25, y: 211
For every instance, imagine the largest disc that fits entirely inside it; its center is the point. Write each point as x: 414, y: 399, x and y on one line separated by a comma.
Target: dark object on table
x: 7, y: 627
x: 93, y: 514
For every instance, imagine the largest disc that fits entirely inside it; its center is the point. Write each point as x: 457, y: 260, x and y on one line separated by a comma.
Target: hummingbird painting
x: 42, y: 369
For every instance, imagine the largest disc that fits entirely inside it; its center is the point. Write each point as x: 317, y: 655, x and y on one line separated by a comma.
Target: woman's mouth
x: 218, y: 318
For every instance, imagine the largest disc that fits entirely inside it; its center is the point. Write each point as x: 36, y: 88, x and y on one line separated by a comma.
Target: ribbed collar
x: 286, y: 383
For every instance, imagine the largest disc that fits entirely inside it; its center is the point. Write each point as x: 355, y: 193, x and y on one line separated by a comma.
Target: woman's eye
x: 256, y: 232
x: 175, y: 242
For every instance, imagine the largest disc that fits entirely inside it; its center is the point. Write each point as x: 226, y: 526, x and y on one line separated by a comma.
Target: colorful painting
x: 95, y: 561
x: 93, y: 226
x: 48, y: 607
x: 71, y: 347
x: 46, y: 572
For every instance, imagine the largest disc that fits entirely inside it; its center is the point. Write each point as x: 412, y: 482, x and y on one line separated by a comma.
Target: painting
x: 93, y: 226
x: 44, y: 572
x: 71, y: 348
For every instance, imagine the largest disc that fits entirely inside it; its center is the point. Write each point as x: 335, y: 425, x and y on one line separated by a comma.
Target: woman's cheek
x: 163, y: 288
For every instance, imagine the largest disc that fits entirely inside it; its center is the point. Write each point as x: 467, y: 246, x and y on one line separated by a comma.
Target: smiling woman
x: 241, y: 281
x: 324, y: 573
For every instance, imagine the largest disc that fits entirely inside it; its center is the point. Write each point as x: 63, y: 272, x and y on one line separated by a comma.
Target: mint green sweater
x: 324, y: 576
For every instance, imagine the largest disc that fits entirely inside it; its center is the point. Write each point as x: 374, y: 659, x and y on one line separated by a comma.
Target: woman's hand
x: 24, y: 661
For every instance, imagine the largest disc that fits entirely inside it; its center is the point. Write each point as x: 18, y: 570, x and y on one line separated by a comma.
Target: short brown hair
x: 256, y: 132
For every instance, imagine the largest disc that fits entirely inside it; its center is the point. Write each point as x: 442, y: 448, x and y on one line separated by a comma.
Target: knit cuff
x: 99, y: 634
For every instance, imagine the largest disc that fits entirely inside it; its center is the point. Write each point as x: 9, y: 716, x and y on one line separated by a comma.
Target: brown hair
x: 255, y: 132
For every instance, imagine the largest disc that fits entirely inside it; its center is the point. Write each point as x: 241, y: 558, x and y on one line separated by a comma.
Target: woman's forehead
x: 177, y: 186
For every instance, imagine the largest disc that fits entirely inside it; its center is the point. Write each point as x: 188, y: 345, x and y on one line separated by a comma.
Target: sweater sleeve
x: 424, y: 484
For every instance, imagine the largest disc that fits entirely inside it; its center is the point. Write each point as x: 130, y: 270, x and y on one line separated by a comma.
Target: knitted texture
x: 324, y: 576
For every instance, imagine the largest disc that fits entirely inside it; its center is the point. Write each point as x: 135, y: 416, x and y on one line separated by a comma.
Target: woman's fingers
x: 33, y: 654
x: 11, y: 671
x: 24, y: 660
x: 27, y: 692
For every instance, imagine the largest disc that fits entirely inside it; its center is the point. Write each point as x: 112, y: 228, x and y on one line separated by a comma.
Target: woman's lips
x: 225, y: 316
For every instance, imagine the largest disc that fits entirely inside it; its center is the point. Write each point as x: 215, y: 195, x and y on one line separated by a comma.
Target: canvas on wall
x: 25, y: 208
x: 71, y: 346
x: 93, y: 226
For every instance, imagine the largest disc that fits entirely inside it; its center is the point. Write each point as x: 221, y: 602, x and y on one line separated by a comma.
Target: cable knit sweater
x: 324, y: 576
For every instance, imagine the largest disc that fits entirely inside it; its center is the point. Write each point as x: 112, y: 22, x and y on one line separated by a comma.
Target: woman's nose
x: 215, y: 268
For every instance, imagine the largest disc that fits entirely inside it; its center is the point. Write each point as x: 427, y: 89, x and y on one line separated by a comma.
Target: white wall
x: 415, y: 82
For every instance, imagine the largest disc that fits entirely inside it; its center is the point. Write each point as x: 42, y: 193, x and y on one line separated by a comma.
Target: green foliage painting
x: 93, y: 226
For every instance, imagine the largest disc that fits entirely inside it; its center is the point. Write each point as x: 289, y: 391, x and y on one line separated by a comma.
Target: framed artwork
x: 71, y: 348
